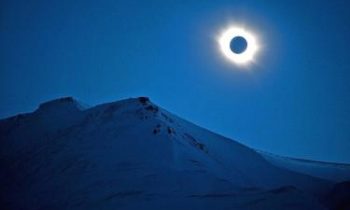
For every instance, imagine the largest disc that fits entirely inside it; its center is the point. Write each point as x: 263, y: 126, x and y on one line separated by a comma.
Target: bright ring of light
x: 241, y: 58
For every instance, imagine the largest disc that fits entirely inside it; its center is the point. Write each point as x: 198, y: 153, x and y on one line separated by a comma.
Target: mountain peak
x: 143, y: 99
x: 62, y: 103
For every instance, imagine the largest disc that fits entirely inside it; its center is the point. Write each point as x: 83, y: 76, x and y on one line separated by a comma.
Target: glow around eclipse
x: 238, y: 58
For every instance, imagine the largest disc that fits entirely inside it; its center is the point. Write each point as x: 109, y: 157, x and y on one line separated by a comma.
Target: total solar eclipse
x: 238, y: 45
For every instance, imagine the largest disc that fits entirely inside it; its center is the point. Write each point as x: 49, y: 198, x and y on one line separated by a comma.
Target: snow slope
x: 335, y: 172
x: 132, y: 154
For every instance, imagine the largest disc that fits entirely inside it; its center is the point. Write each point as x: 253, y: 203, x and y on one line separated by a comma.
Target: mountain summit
x: 66, y: 103
x: 132, y: 154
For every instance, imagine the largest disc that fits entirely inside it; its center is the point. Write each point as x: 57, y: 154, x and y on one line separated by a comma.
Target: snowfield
x: 335, y: 172
x: 132, y: 154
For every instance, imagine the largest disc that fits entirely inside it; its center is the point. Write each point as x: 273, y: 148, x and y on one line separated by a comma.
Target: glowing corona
x: 239, y: 58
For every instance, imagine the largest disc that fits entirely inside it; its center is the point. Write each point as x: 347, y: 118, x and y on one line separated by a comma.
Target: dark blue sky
x: 294, y: 100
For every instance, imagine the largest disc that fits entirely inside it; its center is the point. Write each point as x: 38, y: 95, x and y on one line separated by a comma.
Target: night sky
x: 293, y: 100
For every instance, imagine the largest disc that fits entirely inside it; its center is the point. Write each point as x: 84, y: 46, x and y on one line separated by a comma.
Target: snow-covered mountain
x: 132, y: 154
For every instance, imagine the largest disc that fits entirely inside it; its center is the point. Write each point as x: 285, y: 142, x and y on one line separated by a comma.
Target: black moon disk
x: 238, y: 44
